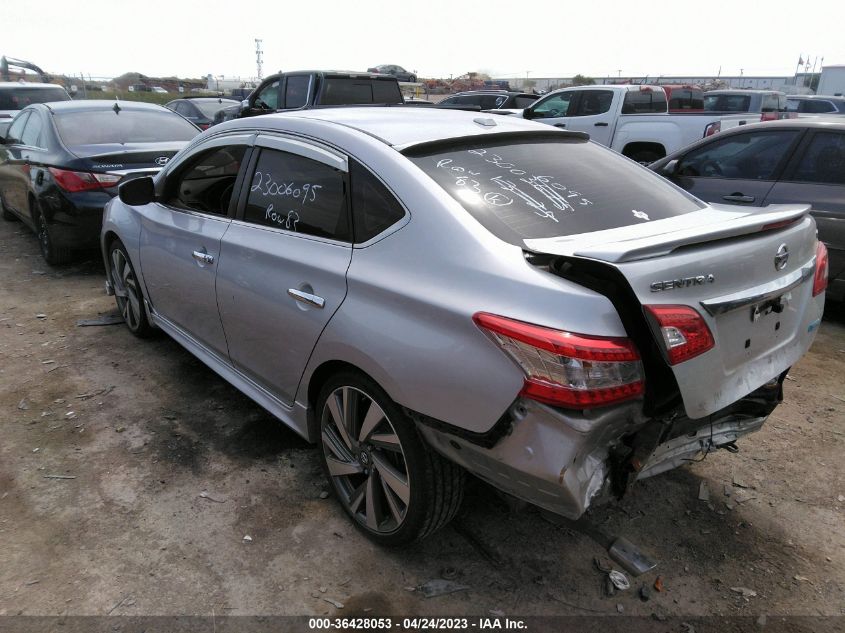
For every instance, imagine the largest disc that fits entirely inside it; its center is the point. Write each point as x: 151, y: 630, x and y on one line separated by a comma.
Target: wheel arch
x: 315, y: 381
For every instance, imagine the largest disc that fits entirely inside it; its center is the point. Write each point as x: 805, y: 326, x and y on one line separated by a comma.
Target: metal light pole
x: 258, y: 60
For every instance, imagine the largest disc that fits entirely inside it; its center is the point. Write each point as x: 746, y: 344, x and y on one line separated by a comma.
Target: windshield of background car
x: 18, y: 98
x: 535, y: 188
x: 349, y: 91
x: 727, y: 103
x: 95, y: 127
x: 210, y: 108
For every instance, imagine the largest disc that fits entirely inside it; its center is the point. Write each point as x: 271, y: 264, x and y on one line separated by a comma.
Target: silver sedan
x: 425, y: 292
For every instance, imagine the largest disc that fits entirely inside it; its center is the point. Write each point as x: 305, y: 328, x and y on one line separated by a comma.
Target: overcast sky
x: 436, y: 38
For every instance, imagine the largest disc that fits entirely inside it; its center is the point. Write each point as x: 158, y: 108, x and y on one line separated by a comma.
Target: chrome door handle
x: 738, y: 198
x: 203, y: 258
x: 600, y: 124
x: 305, y: 297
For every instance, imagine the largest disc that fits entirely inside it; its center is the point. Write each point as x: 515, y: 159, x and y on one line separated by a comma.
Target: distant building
x: 832, y: 81
x: 221, y: 83
x: 789, y: 84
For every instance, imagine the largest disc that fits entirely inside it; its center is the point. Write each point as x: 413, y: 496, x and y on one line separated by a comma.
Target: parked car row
x: 594, y: 330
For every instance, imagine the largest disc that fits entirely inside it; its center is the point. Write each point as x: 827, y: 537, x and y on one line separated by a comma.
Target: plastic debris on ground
x: 439, y: 587
x: 619, y: 580
x: 630, y: 557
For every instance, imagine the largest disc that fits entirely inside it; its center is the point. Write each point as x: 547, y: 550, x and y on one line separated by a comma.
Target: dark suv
x: 308, y: 88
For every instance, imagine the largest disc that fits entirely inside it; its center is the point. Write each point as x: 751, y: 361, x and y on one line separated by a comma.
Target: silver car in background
x: 424, y: 293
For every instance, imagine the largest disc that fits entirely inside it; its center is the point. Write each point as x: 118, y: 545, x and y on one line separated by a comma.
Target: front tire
x: 127, y: 291
x: 393, y: 486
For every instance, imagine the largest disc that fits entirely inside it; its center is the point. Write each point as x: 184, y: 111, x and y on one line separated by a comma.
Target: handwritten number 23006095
x: 266, y: 186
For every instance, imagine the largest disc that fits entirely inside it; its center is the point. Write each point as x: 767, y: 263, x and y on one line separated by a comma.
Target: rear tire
x: 52, y: 254
x: 127, y: 291
x: 392, y: 485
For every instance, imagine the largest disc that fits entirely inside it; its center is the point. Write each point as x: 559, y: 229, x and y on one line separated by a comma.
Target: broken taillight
x: 566, y: 369
x: 684, y: 332
x: 822, y: 265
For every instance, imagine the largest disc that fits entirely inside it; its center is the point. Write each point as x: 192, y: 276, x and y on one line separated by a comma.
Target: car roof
x: 204, y: 99
x: 833, y: 97
x: 727, y: 91
x: 400, y: 126
x: 26, y: 84
x: 509, y: 93
x: 820, y: 123
x: 101, y: 104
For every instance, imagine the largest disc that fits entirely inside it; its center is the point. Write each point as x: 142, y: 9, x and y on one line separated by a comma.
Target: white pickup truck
x: 633, y: 120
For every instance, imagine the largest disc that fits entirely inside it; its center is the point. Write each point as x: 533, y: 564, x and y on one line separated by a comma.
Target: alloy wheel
x: 365, y: 460
x: 126, y: 289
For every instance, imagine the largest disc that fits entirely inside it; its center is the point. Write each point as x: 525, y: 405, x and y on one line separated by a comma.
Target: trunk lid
x: 119, y: 158
x: 721, y: 261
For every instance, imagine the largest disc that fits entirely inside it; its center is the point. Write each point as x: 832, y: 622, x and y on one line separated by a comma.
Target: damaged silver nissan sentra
x: 425, y: 292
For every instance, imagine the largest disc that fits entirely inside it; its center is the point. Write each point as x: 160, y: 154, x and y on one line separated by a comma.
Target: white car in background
x: 16, y: 95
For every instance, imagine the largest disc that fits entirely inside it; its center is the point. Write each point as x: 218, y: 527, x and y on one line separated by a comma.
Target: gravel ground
x: 131, y: 477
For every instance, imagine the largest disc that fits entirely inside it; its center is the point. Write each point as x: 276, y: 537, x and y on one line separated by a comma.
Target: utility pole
x: 258, y: 54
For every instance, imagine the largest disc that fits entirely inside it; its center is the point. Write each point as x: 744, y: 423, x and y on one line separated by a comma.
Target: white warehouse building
x: 832, y: 81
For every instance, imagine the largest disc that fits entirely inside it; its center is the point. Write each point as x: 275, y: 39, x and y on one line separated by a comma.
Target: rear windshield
x: 210, y: 108
x: 18, y: 98
x: 686, y: 99
x: 349, y: 91
x: 532, y: 188
x: 94, y: 127
x: 727, y: 103
x: 485, y: 102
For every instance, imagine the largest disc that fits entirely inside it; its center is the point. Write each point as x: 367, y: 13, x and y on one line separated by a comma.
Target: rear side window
x: 296, y: 91
x: 685, y: 99
x: 594, y: 102
x: 824, y: 160
x: 645, y: 101
x: 299, y: 195
x: 727, y: 103
x: 348, y: 91
x: 750, y: 156
x: 523, y: 102
x: 17, y: 98
x: 374, y: 208
x: 93, y: 127
x: 32, y: 131
x: 535, y: 188
x: 817, y: 106
x: 13, y: 135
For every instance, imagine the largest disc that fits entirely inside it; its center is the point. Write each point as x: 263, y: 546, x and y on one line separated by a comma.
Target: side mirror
x: 528, y: 113
x: 670, y: 168
x: 137, y: 192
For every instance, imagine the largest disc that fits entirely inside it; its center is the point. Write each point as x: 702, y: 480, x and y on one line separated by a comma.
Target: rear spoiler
x: 661, y: 237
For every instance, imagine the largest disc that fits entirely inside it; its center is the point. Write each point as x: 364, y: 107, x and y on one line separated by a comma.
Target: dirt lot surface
x: 131, y: 477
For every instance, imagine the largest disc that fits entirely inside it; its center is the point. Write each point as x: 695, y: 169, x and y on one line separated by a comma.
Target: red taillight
x: 685, y: 334
x: 565, y: 369
x: 204, y: 126
x: 713, y: 128
x: 781, y: 224
x: 769, y: 116
x: 822, y: 265
x: 76, y: 181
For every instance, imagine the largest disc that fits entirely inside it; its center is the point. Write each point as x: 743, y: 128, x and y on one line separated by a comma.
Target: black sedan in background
x: 491, y: 99
x: 395, y: 71
x: 61, y: 162
x: 201, y: 110
x: 789, y: 161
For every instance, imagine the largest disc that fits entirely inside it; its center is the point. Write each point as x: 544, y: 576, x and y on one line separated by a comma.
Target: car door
x: 817, y: 176
x: 180, y: 237
x: 593, y: 114
x: 14, y: 177
x: 553, y: 109
x: 737, y: 168
x: 282, y: 273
